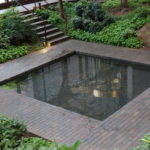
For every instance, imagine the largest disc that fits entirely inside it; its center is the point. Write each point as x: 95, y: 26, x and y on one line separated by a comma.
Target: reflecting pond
x: 88, y: 85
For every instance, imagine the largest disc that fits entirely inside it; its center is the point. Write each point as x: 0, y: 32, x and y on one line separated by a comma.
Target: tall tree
x: 124, y: 3
x: 62, y: 13
x: 61, y: 9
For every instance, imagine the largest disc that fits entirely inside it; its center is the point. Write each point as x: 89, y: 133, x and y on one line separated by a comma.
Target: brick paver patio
x: 123, y: 129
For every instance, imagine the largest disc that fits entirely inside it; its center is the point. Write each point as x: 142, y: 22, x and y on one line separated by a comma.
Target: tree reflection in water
x: 88, y: 85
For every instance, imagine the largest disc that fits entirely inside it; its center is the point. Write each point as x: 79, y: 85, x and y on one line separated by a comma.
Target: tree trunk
x: 124, y: 3
x: 61, y: 9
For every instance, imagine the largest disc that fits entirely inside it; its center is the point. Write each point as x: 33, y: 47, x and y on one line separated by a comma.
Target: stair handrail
x: 34, y: 14
x: 46, y: 2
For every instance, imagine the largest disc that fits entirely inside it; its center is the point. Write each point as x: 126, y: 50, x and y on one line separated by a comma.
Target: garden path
x: 121, y: 130
x: 31, y: 6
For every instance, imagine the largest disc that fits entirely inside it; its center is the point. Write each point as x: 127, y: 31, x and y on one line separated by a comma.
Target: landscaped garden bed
x: 84, y: 20
x: 14, y: 136
x: 93, y: 22
x: 17, y: 38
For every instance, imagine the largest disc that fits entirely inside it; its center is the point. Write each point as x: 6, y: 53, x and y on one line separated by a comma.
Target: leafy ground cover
x: 132, y: 3
x: 17, y: 37
x: 13, y: 52
x: 12, y: 138
x: 119, y: 31
x: 145, y: 145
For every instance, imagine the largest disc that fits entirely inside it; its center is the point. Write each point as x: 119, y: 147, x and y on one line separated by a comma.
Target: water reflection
x: 87, y: 85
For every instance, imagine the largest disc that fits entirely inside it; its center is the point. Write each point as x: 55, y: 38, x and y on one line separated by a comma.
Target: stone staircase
x: 44, y: 30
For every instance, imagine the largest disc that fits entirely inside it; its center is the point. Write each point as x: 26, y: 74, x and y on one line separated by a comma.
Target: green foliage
x: 4, y: 40
x: 83, y: 35
x: 10, y: 132
x: 52, y: 15
x: 69, y: 9
x: 145, y: 143
x: 77, y: 23
x: 55, y: 18
x: 11, y: 138
x: 120, y: 33
x: 80, y: 9
x: 45, y: 13
x: 111, y: 4
x: 13, y: 26
x: 89, y: 22
x: 41, y: 144
x: 9, y: 86
x: 91, y: 17
x: 117, y: 3
x: 12, y: 52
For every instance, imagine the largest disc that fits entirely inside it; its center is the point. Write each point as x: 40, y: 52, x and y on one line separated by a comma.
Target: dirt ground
x: 119, y: 12
x: 144, y: 35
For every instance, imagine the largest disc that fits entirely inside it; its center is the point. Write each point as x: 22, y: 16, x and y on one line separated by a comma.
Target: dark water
x: 88, y: 85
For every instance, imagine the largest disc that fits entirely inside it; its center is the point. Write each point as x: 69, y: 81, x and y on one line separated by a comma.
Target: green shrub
x: 111, y: 4
x: 145, y: 145
x: 107, y: 20
x: 45, y: 13
x: 13, y: 26
x: 83, y: 35
x: 91, y: 17
x: 69, y: 8
x: 54, y: 7
x: 77, y: 23
x: 41, y: 144
x: 4, y: 40
x: 11, y: 138
x: 95, y: 27
x: 55, y: 18
x: 12, y: 52
x: 79, y: 10
x: 142, y: 12
x: 94, y: 24
x: 11, y: 132
x: 128, y: 33
x: 111, y: 35
x: 120, y: 33
x: 81, y: 2
x: 117, y: 3
x: 9, y: 86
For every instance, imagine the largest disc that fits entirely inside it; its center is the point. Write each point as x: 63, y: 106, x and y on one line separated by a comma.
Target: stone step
x: 33, y: 19
x: 27, y: 15
x: 59, y: 40
x: 54, y: 35
x: 41, y: 28
x: 49, y: 31
x: 39, y: 23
